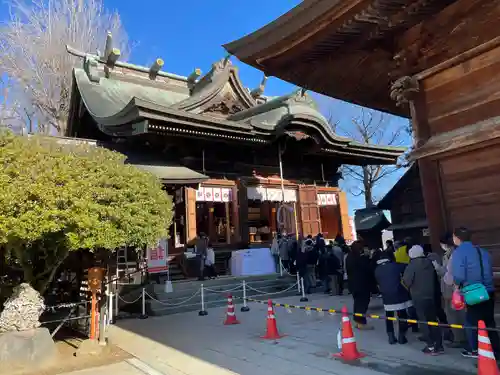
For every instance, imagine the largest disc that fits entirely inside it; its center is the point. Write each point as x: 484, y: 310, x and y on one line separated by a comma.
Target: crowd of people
x: 413, y: 282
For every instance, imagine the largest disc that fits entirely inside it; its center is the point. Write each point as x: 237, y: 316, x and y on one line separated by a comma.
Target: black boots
x: 400, y: 340
x: 392, y: 338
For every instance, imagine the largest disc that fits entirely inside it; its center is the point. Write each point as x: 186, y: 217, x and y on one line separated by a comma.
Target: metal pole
x: 281, y: 266
x: 304, y: 298
x: 299, y: 289
x: 110, y: 308
x: 245, y: 306
x: 102, y: 325
x: 202, y: 312
x: 117, y: 301
x: 143, y: 310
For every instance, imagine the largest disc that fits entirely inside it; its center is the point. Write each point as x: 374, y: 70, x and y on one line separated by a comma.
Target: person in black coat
x: 360, y: 280
x: 394, y: 295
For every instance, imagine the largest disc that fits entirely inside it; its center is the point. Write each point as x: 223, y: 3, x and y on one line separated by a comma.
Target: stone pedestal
x: 27, y: 348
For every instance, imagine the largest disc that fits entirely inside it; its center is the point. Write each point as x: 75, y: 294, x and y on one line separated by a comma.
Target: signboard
x: 157, y: 257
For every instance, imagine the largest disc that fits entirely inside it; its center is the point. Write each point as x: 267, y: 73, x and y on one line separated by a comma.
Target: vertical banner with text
x: 157, y: 257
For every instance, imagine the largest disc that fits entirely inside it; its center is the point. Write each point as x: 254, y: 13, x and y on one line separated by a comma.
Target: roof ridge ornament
x: 90, y: 66
x: 259, y: 91
x: 155, y: 68
x: 222, y: 63
x: 111, y: 55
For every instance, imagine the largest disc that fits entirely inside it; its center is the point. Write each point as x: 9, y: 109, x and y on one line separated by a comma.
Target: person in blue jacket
x: 472, y: 265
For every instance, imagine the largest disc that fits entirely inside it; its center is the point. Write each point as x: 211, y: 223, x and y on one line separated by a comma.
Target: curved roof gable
x: 221, y: 85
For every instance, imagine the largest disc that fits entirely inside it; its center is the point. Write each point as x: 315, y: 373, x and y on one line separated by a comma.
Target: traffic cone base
x: 230, y: 314
x: 271, y: 329
x: 486, y: 362
x: 349, y: 351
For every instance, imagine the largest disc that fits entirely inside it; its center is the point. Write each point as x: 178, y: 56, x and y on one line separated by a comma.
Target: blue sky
x: 188, y: 34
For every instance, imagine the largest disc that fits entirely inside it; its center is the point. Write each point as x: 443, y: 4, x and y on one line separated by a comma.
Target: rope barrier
x: 165, y: 303
x: 239, y: 286
x: 66, y: 319
x: 65, y: 306
x: 369, y: 316
x: 128, y: 302
x: 271, y: 293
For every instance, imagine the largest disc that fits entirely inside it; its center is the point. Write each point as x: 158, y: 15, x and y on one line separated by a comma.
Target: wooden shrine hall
x: 434, y: 61
x: 228, y: 155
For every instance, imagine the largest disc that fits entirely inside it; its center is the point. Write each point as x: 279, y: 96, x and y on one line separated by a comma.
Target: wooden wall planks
x: 464, y: 94
x: 470, y: 182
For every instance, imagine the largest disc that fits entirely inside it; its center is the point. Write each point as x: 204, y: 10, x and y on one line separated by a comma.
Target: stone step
x: 216, y: 295
x: 194, y: 284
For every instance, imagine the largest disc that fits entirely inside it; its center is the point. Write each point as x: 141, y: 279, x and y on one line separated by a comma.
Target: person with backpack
x: 472, y: 273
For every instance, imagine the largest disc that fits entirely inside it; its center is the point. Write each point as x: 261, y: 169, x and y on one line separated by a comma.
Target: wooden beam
x: 484, y: 131
x: 459, y: 59
x: 429, y: 173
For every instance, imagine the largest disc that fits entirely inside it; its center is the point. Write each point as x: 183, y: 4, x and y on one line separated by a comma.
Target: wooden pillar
x: 190, y: 215
x: 428, y: 169
x: 345, y: 228
x: 243, y: 211
x: 235, y: 214
x: 272, y: 218
x: 211, y: 223
x: 228, y: 222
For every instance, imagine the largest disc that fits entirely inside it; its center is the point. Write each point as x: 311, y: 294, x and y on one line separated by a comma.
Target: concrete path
x: 187, y: 344
x: 132, y: 366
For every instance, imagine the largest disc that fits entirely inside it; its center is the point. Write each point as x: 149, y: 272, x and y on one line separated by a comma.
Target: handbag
x: 476, y: 293
x: 457, y: 300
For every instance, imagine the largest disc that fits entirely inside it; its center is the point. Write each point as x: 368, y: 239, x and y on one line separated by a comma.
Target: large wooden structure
x: 228, y: 155
x: 405, y: 201
x: 437, y: 61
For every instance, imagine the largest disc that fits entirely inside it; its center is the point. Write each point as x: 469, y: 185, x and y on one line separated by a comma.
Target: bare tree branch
x: 371, y: 128
x: 34, y: 58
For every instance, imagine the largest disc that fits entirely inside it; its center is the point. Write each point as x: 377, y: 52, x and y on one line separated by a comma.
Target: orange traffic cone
x: 486, y: 362
x: 272, y: 329
x: 349, y: 349
x: 230, y: 315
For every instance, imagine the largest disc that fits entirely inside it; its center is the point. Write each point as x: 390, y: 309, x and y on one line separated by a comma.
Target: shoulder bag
x: 476, y: 293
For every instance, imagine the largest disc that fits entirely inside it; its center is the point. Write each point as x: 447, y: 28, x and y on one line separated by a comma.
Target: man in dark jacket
x: 419, y: 277
x: 394, y: 295
x: 360, y: 280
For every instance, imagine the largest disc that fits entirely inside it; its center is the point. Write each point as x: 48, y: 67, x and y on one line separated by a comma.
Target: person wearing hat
x: 419, y: 279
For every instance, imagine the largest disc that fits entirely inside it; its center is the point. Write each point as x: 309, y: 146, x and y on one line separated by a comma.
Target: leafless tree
x: 34, y: 58
x: 375, y: 128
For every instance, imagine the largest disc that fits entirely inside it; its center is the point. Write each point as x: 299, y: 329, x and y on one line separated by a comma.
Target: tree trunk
x: 368, y: 187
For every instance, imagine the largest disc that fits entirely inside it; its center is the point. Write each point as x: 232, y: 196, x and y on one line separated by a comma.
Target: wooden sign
x: 95, y: 277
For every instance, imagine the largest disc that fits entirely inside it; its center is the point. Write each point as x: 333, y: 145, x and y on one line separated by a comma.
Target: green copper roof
x: 125, y: 100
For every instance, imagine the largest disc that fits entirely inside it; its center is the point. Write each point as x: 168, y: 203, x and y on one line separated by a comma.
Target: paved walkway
x: 187, y: 344
x: 132, y: 366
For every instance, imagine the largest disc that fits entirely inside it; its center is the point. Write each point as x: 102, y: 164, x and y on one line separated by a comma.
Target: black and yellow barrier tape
x: 368, y: 316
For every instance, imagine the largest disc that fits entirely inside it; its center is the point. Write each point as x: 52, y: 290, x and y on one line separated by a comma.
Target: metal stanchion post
x: 143, y: 314
x: 299, y: 289
x: 281, y: 267
x: 117, y: 306
x: 102, y: 325
x: 303, y: 298
x: 110, y: 309
x: 245, y: 308
x: 202, y: 312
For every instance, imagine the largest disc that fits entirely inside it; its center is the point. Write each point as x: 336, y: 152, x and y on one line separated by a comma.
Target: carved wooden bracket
x: 404, y: 89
